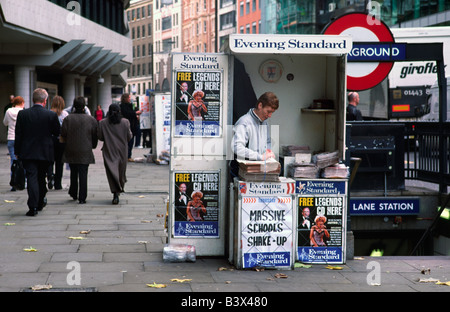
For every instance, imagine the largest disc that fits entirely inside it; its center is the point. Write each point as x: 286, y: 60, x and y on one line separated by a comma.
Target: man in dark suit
x: 35, y: 128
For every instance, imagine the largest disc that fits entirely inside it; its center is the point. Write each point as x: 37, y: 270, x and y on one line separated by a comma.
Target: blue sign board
x: 377, y: 52
x: 384, y: 206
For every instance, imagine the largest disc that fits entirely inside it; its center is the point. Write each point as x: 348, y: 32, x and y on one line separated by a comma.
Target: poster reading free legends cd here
x: 198, y: 103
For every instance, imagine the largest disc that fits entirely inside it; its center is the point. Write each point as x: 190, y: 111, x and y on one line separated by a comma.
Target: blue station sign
x: 384, y: 206
x: 377, y: 52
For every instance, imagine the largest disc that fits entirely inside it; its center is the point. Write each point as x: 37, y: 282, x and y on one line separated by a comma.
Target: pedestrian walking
x: 35, y: 129
x: 115, y: 132
x: 127, y: 111
x: 9, y: 120
x: 79, y: 132
x: 56, y: 169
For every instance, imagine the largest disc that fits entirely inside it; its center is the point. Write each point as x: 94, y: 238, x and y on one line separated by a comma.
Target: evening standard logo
x: 196, y: 229
x: 248, y: 43
x: 191, y: 61
x: 320, y: 187
x: 319, y: 254
x: 267, y: 259
x: 255, y: 188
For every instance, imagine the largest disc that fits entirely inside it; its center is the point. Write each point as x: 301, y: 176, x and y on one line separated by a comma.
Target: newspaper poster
x: 320, y: 230
x: 146, y: 108
x: 196, y: 204
x: 198, y: 103
x: 266, y: 233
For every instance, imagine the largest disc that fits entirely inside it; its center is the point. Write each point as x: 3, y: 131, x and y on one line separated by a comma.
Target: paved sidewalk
x: 123, y: 249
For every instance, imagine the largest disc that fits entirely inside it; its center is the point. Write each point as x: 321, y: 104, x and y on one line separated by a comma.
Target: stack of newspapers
x: 259, y: 170
x: 336, y: 171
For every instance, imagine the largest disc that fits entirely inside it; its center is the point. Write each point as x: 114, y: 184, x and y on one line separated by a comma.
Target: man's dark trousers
x: 35, y: 172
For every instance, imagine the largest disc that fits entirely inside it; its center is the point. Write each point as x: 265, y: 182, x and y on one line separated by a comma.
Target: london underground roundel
x: 363, y: 28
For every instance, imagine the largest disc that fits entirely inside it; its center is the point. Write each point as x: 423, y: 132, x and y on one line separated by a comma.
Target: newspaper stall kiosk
x: 308, y: 75
x: 255, y: 222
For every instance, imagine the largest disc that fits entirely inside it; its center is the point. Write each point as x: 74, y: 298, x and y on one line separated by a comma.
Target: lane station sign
x: 374, y: 49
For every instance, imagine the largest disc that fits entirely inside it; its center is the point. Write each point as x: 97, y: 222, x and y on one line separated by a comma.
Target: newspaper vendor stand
x: 308, y: 75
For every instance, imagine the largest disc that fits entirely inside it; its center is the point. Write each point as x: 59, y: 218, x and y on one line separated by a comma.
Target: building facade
x: 140, y: 74
x: 249, y: 17
x: 199, y: 26
x: 167, y: 32
x: 68, y: 48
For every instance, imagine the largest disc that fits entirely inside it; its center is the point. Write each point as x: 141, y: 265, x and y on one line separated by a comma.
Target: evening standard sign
x: 384, y: 206
x: 290, y: 44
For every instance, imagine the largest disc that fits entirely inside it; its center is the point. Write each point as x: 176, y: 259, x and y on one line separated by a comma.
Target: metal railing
x: 427, y: 152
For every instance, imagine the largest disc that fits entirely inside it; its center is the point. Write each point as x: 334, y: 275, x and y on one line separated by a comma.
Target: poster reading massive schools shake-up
x: 198, y: 103
x: 267, y: 231
x: 196, y: 204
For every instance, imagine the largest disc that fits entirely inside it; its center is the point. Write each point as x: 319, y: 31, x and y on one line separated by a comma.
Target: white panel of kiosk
x: 299, y: 69
x: 198, y: 166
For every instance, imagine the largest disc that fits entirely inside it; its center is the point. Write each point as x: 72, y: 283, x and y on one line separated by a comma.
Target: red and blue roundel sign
x: 373, y: 53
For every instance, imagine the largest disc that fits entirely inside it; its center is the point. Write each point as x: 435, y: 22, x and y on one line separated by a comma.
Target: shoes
x: 13, y: 189
x: 130, y: 159
x: 115, y: 200
x: 31, y: 213
x: 51, y: 182
x: 81, y: 202
x: 44, y: 203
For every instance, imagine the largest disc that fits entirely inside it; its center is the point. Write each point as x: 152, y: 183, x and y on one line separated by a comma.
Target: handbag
x: 17, y: 175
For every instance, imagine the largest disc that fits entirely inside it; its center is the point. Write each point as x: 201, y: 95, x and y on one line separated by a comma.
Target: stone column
x: 24, y: 83
x: 104, y: 95
x: 69, y: 90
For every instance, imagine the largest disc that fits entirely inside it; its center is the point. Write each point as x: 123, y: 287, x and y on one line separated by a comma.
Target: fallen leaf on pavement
x: 428, y: 280
x: 9, y: 201
x: 443, y: 283
x: 281, y: 275
x: 85, y: 232
x: 141, y: 196
x: 358, y: 258
x: 331, y: 267
x: 76, y: 237
x: 178, y: 280
x: 142, y: 242
x: 301, y: 265
x: 41, y: 287
x: 154, y: 285
x: 30, y: 249
x: 9, y: 224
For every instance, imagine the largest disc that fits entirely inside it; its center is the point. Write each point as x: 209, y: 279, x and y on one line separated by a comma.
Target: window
x: 143, y: 30
x: 166, y: 23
